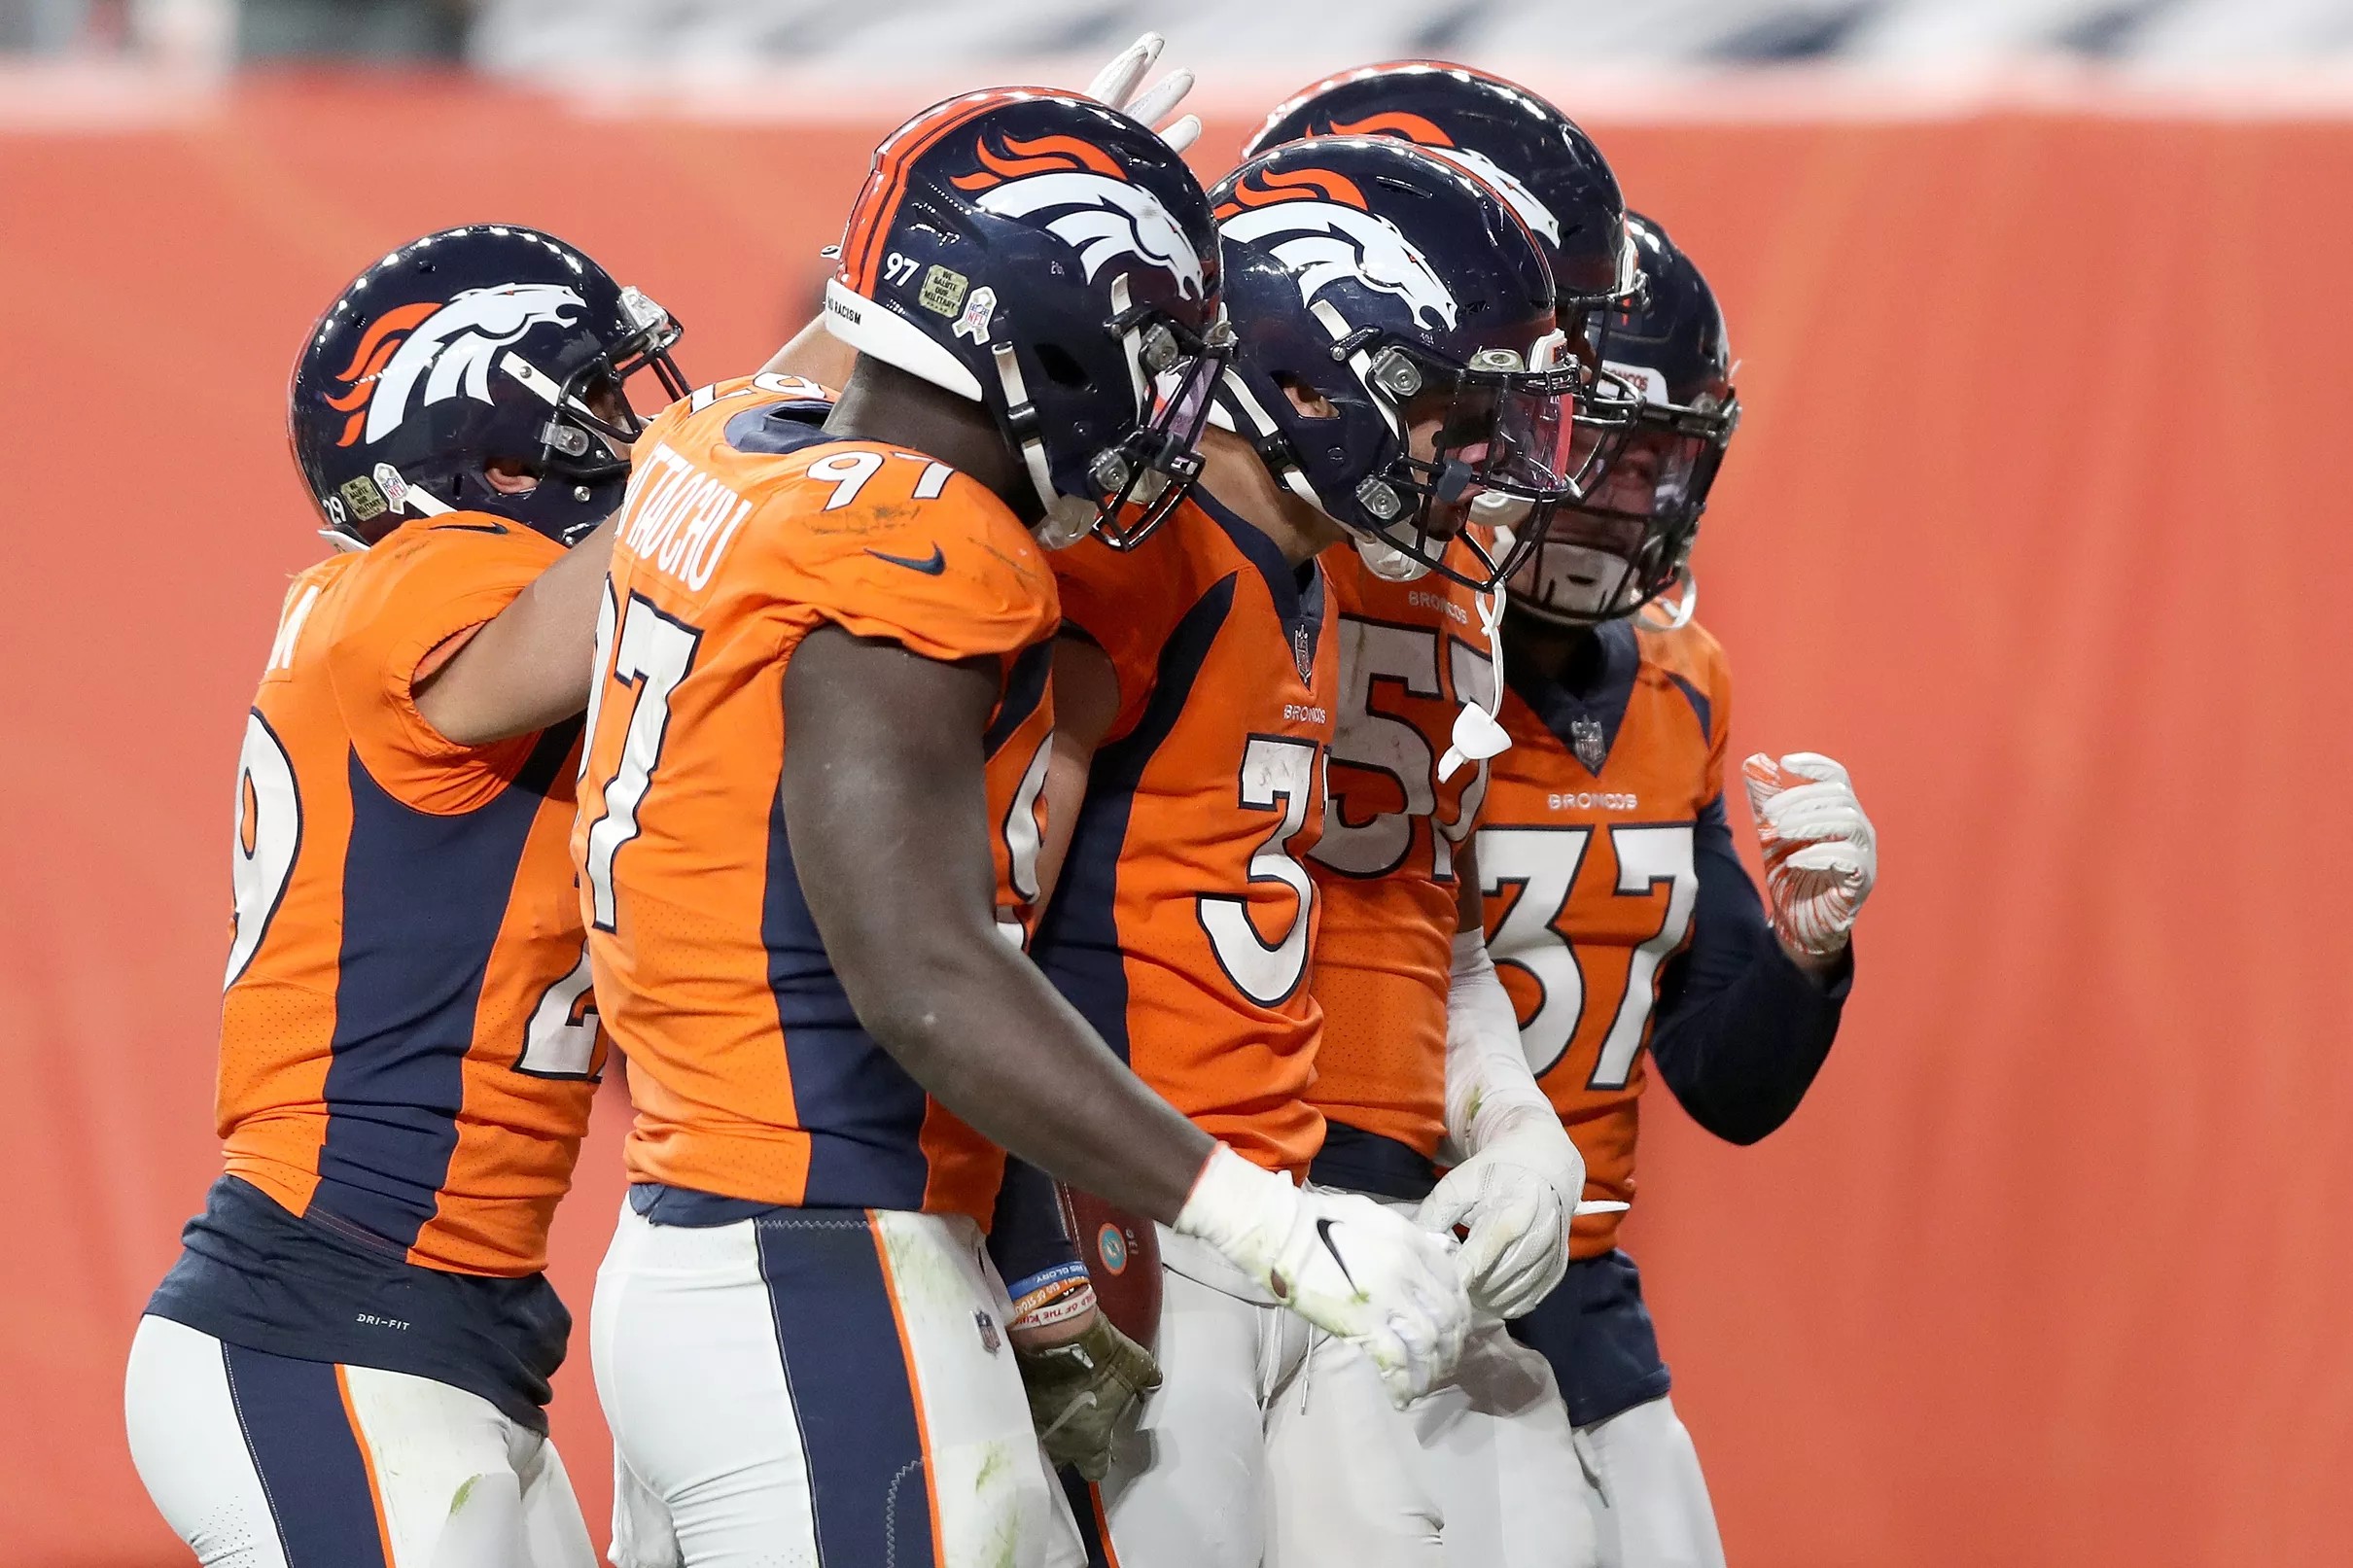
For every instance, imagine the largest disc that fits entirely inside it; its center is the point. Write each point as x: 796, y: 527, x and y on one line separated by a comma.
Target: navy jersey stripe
x: 863, y: 1114
x: 1077, y: 942
x: 1699, y: 704
x: 424, y: 896
x: 852, y: 1393
x: 1025, y: 689
x: 303, y: 1448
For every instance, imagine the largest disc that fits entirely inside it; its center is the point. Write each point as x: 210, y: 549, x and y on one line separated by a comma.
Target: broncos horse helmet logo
x: 1081, y: 195
x: 1315, y: 224
x: 451, y: 346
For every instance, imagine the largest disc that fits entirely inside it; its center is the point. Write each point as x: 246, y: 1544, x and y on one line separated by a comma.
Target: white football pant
x: 264, y: 1461
x: 1481, y: 1473
x: 1649, y: 1501
x: 818, y: 1385
x: 1188, y: 1487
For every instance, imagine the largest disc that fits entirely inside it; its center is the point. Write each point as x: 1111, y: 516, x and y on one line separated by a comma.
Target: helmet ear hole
x: 1060, y: 368
x: 1310, y: 403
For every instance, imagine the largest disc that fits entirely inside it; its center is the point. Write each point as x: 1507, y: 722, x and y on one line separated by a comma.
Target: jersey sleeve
x: 1106, y: 599
x: 950, y: 575
x: 433, y: 587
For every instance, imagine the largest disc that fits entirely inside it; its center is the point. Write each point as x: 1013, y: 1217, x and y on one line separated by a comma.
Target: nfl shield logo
x: 1586, y: 739
x: 988, y: 1331
x: 1303, y: 654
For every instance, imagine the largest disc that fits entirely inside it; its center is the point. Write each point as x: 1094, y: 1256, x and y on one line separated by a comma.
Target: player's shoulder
x: 890, y: 541
x: 1689, y: 651
x: 428, y: 562
x: 1426, y: 599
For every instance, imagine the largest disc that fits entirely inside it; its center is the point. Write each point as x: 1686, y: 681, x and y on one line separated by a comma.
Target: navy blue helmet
x: 1396, y: 354
x: 475, y: 347
x: 1629, y: 541
x: 1552, y: 173
x: 1055, y: 261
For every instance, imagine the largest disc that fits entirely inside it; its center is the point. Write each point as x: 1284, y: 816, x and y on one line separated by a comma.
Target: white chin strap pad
x: 872, y: 328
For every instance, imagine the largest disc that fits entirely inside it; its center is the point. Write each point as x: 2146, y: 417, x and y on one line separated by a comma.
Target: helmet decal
x: 1324, y: 243
x: 1039, y: 155
x: 1263, y: 187
x: 1426, y: 134
x: 1107, y: 216
x: 455, y: 343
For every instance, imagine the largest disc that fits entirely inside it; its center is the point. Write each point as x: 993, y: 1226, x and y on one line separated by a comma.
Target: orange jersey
x: 744, y: 530
x: 1183, y: 921
x: 408, y: 1042
x: 1586, y: 861
x: 1411, y: 655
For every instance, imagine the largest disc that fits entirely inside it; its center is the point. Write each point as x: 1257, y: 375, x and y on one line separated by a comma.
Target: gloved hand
x: 1820, y: 858
x: 1083, y: 1389
x: 1341, y: 1261
x: 1515, y: 1195
x: 1115, y: 85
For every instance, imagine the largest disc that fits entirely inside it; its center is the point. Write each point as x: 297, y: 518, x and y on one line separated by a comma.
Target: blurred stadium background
x: 2038, y: 521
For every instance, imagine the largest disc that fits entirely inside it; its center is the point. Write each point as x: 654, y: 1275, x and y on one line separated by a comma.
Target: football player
x: 349, y: 1361
x: 817, y: 740
x: 1421, y: 1063
x: 1618, y: 909
x: 1394, y: 322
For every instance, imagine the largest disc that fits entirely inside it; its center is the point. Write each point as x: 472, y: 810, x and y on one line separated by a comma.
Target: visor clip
x: 1377, y: 499
x: 1111, y: 471
x: 565, y: 439
x: 1454, y: 477
x: 1396, y: 373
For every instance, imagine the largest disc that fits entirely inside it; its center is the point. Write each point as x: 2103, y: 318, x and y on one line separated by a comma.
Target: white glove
x: 1820, y: 859
x: 1516, y: 1195
x: 1115, y: 85
x: 1351, y: 1267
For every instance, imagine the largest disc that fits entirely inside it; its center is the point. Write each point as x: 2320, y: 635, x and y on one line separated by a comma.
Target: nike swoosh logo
x: 472, y: 528
x: 932, y: 568
x: 1323, y: 1234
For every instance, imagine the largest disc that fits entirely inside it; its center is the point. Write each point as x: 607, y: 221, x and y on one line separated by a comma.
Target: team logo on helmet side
x: 1314, y: 223
x: 451, y: 346
x: 1426, y: 135
x: 1087, y: 201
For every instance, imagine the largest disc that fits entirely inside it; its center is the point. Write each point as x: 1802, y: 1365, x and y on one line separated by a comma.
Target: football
x: 1122, y: 1255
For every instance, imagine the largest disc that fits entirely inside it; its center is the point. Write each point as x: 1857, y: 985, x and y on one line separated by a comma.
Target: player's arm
x: 1086, y: 702
x: 1741, y: 1028
x: 530, y: 665
x: 884, y: 801
x: 1520, y: 1176
x: 884, y: 797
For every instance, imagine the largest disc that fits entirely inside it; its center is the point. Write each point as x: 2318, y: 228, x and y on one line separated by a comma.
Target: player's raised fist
x: 1342, y: 1262
x: 1820, y: 858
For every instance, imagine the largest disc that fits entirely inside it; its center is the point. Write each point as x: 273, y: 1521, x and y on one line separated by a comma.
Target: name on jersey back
x: 679, y: 519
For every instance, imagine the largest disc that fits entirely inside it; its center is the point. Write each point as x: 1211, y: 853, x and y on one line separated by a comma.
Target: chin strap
x: 1686, y: 606
x: 1478, y: 733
